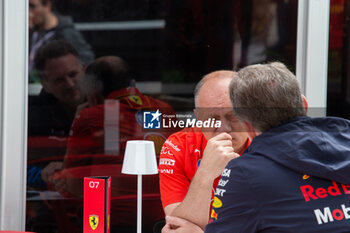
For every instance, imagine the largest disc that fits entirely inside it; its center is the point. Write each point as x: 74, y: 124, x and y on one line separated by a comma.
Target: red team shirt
x: 88, y: 143
x: 179, y: 158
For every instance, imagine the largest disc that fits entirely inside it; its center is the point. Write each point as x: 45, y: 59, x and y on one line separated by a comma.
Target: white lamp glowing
x: 139, y: 159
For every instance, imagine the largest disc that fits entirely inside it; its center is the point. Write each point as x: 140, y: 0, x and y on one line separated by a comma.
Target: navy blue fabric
x: 290, y: 179
x: 34, y: 177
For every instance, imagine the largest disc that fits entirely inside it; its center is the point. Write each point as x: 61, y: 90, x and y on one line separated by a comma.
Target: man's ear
x: 45, y: 86
x: 83, y: 67
x: 250, y: 130
x: 195, y: 113
x: 306, y: 105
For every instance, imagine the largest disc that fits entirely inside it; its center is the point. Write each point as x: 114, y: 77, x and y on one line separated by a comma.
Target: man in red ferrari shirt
x: 195, y: 152
x: 113, y: 115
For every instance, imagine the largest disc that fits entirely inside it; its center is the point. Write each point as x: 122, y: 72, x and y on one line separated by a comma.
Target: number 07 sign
x: 97, y: 195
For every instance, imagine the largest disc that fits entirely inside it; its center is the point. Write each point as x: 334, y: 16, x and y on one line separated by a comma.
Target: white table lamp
x: 139, y: 159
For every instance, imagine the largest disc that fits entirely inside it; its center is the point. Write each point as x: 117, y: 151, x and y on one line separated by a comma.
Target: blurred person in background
x: 46, y: 25
x: 59, y: 68
x: 50, y: 116
x: 110, y: 90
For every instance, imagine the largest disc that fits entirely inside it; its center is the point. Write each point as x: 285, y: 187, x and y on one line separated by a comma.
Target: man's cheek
x: 208, y: 135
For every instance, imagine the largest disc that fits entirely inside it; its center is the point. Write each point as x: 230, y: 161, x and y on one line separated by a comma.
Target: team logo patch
x: 138, y: 117
x: 214, y: 215
x: 217, y: 203
x: 93, y: 220
x: 166, y: 151
x: 151, y: 119
x: 136, y: 99
x: 167, y: 162
x: 199, y: 162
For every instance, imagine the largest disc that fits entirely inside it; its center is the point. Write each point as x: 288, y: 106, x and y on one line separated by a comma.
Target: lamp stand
x: 139, y: 203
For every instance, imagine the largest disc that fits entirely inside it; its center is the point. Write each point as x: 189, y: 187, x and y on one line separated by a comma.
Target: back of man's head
x: 266, y: 95
x: 106, y: 74
x: 52, y: 50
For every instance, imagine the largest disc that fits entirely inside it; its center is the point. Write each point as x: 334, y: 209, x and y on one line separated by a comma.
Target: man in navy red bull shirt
x: 294, y: 177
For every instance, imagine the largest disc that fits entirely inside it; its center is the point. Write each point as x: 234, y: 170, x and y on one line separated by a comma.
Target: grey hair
x: 266, y: 95
x: 197, y: 89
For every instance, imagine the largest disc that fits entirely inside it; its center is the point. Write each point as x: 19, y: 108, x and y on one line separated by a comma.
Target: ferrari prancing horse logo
x: 93, y: 220
x: 136, y: 99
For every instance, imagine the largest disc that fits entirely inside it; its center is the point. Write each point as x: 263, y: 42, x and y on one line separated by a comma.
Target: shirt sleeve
x: 235, y: 207
x: 172, y: 179
x: 80, y: 141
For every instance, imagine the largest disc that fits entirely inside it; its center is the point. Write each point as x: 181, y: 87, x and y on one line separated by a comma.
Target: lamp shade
x: 139, y: 158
